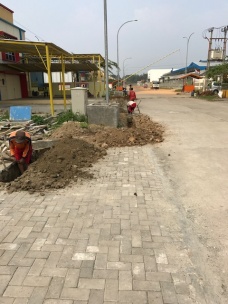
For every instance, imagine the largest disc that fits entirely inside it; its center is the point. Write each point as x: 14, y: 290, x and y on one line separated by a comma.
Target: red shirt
x: 132, y: 95
x: 21, y: 150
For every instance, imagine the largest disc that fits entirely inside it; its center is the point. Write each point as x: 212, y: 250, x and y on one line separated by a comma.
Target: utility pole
x: 209, y: 47
x: 106, y: 52
x: 225, y: 29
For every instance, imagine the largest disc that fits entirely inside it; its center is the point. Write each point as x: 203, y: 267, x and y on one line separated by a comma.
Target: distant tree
x: 218, y: 70
x: 135, y: 78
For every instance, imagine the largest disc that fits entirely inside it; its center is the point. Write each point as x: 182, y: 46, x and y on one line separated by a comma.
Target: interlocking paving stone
x: 105, y: 274
x: 38, y: 295
x: 55, y: 288
x: 101, y: 261
x: 71, y: 279
x: 96, y: 297
x: 18, y: 291
x: 19, y: 276
x: 158, y: 276
x: 36, y: 281
x: 56, y: 301
x: 91, y: 283
x: 146, y: 285
x: 138, y: 271
x: 168, y: 292
x: 125, y: 280
x: 37, y: 267
x: 75, y: 294
x: 111, y: 290
x: 155, y: 298
x: 96, y: 242
x: 86, y: 273
x: 84, y: 256
x: 133, y: 297
x: 119, y: 265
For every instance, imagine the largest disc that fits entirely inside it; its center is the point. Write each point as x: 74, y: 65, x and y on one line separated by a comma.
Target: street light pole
x: 118, y: 69
x: 186, y: 64
x: 106, y: 52
x: 123, y: 65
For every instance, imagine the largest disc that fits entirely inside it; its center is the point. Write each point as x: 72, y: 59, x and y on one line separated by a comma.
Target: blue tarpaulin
x: 20, y: 113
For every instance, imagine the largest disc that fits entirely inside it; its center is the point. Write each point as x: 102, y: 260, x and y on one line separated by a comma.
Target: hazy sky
x: 78, y: 26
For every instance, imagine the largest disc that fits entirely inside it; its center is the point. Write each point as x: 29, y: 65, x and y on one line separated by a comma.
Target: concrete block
x: 103, y: 114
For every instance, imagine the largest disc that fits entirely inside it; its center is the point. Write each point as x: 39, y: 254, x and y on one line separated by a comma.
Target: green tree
x: 111, y: 65
x: 218, y: 70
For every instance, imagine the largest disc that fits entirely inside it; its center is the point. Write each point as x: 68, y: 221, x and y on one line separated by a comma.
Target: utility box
x: 79, y: 100
x: 103, y: 114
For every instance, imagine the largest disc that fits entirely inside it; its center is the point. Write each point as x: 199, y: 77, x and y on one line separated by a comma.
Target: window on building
x: 10, y: 56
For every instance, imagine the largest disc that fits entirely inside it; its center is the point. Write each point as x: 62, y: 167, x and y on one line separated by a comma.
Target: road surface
x: 193, y: 160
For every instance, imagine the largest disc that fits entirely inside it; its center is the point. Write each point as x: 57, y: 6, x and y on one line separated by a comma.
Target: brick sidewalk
x: 113, y: 239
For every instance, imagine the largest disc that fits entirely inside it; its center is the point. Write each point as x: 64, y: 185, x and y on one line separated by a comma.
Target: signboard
x: 20, y: 113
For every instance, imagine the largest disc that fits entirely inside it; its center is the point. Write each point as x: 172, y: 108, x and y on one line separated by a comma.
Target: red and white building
x: 13, y: 84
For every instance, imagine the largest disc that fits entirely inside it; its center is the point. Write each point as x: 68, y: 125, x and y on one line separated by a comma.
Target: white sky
x: 78, y: 27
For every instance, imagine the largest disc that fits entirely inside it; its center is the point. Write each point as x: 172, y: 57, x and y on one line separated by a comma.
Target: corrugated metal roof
x: 55, y: 67
x: 36, y: 48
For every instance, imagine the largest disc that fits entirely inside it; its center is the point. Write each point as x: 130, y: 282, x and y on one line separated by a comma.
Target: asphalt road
x: 193, y: 161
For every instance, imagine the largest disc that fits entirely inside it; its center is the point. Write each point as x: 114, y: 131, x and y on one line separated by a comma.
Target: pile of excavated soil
x: 77, y: 148
x: 58, y: 167
x: 142, y: 132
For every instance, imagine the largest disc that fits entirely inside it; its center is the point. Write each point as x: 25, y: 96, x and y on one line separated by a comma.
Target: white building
x: 155, y: 74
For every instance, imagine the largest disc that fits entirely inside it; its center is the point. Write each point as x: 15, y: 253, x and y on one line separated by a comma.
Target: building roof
x: 6, y: 8
x: 36, y: 48
x: 92, y: 57
x: 193, y: 75
x: 35, y: 56
x: 191, y: 68
x: 55, y: 67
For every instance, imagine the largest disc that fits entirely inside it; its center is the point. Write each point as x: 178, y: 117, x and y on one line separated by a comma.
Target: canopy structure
x: 193, y: 75
x: 47, y: 57
x: 36, y: 48
x: 55, y: 67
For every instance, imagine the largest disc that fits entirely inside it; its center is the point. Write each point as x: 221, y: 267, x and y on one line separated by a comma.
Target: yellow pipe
x: 49, y: 79
x: 41, y: 57
x: 99, y: 64
x: 94, y: 83
x: 63, y: 81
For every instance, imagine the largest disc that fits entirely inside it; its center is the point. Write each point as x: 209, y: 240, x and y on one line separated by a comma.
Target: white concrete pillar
x: 79, y: 100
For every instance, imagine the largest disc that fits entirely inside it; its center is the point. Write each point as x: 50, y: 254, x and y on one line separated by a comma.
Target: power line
x: 27, y: 29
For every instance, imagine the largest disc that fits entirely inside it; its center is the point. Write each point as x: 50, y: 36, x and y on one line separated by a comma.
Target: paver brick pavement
x: 106, y: 240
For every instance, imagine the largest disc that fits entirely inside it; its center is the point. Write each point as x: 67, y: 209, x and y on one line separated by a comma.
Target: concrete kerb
x: 103, y: 114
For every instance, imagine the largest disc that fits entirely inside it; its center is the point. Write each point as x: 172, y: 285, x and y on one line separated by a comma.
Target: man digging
x: 20, y: 145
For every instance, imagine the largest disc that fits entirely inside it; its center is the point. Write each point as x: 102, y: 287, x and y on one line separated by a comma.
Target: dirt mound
x: 57, y: 167
x: 142, y: 132
x: 77, y: 147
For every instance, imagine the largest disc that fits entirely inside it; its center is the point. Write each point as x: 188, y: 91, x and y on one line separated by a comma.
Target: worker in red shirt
x: 20, y: 145
x: 131, y: 103
x: 132, y: 95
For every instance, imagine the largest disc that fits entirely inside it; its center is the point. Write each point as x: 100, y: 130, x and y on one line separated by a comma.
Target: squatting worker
x: 131, y: 105
x: 20, y: 145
